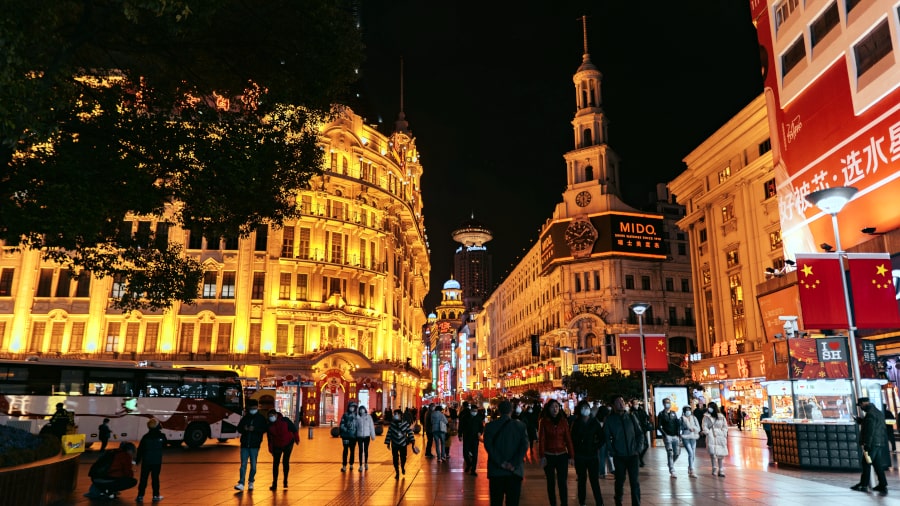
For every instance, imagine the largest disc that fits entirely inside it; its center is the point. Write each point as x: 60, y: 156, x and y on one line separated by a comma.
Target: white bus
x: 192, y: 404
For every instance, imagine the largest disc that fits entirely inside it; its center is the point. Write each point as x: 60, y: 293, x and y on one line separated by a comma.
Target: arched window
x: 587, y: 139
x: 589, y: 173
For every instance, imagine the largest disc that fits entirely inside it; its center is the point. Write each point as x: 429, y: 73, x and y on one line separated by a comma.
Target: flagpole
x: 639, y: 308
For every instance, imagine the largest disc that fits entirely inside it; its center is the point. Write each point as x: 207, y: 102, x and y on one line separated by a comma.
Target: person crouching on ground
x: 281, y: 443
x: 365, y: 432
x: 399, y: 436
x: 119, y: 476
x: 149, y: 456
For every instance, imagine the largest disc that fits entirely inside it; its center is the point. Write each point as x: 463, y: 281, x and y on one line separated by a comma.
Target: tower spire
x: 401, y: 125
x: 584, y: 29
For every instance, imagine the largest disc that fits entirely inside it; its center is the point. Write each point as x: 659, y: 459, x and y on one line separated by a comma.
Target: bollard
x: 310, y: 431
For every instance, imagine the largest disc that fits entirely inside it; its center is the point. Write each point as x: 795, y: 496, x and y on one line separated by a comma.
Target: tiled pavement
x: 204, y: 477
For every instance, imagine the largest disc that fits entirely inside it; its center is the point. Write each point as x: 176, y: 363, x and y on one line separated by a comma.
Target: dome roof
x: 432, y: 316
x: 451, y: 284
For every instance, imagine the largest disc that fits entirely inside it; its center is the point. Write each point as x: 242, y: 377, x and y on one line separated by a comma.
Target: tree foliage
x: 603, y: 387
x: 204, y: 113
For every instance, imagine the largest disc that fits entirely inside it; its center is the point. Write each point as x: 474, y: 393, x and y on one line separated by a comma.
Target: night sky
x: 489, y: 98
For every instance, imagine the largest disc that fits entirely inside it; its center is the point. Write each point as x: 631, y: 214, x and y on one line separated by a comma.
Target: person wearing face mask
x: 587, y: 434
x: 555, y: 451
x: 625, y: 441
x: 399, y: 436
x: 365, y: 432
x: 690, y: 433
x: 874, y: 442
x: 252, y: 427
x: 471, y: 426
x: 281, y: 443
x: 668, y: 423
x: 715, y: 426
x: 348, y: 426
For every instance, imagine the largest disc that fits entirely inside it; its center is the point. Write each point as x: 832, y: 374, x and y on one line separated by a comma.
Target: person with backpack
x: 282, y: 436
x: 103, y: 433
x: 112, y: 472
x: 149, y: 456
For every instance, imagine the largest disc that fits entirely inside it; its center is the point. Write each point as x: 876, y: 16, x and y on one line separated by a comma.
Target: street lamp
x: 831, y: 201
x: 639, y: 308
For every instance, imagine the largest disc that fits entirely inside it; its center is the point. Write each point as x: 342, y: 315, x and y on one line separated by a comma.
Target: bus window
x: 13, y: 380
x: 102, y: 382
x: 71, y: 382
x: 194, y: 387
x: 162, y: 384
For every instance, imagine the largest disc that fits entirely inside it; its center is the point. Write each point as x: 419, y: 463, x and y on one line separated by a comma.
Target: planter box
x: 40, y: 483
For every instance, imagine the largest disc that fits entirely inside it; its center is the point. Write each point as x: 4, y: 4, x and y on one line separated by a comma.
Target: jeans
x: 364, y: 450
x: 605, y: 461
x: 630, y: 465
x: 439, y: 443
x: 673, y: 450
x: 505, y: 486
x: 151, y: 471
x: 557, y: 469
x: 284, y: 455
x: 252, y: 454
x: 349, y: 446
x: 690, y: 446
x: 588, y: 469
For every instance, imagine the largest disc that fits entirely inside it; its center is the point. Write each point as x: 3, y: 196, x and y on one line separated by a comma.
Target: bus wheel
x: 195, y: 435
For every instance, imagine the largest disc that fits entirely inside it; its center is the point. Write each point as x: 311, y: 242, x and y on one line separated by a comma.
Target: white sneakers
x: 239, y: 486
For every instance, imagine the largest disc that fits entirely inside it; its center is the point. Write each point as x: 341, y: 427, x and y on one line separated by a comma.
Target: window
x: 793, y: 56
x: 823, y: 26
x: 209, y: 284
x: 132, y: 329
x: 83, y: 286
x: 775, y: 240
x: 732, y: 259
x: 688, y: 316
x: 195, y: 239
x: 281, y: 338
x: 670, y: 285
x: 255, y: 341
x: 673, y: 316
x: 362, y: 294
x: 6, y: 279
x: 161, y: 238
x: 64, y: 283
x: 707, y: 278
x: 596, y: 280
x: 645, y: 282
x: 228, y: 285
x: 682, y: 249
x: 337, y: 250
x: 259, y: 284
x: 231, y: 242
x: 851, y: 4
x: 727, y: 212
x: 685, y: 285
x: 118, y: 286
x: 76, y: 338
x: 300, y: 338
x: 223, y: 338
x: 724, y: 174
x: 783, y: 11
x: 284, y: 286
x: 702, y: 235
x: 186, y: 340
x: 56, y: 334
x: 112, y: 337
x: 262, y: 237
x: 577, y: 282
x: 151, y: 336
x: 303, y: 242
x: 765, y: 146
x: 362, y: 253
x: 287, y: 242
x: 769, y: 189
x: 44, y: 282
x: 302, y: 286
x: 872, y: 48
x: 204, y: 340
x: 629, y: 282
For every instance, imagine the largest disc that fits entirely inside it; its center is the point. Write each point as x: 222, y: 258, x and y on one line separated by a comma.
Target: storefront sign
x: 831, y: 349
x: 868, y: 352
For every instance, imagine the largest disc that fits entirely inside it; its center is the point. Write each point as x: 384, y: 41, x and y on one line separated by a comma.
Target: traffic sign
x: 307, y: 384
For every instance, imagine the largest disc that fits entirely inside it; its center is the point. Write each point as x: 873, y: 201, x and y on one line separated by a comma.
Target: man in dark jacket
x: 640, y: 413
x: 252, y: 427
x: 149, y: 456
x: 471, y: 426
x: 103, y: 433
x: 669, y: 424
x: 873, y: 439
x: 59, y: 422
x: 429, y: 436
x: 625, y: 440
x: 505, y: 441
x: 587, y: 434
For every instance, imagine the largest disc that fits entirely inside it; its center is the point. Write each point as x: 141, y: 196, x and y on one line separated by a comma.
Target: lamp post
x: 639, y: 308
x: 831, y: 201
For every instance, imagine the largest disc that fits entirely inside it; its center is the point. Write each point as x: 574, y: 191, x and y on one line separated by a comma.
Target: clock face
x: 580, y: 235
x: 583, y: 198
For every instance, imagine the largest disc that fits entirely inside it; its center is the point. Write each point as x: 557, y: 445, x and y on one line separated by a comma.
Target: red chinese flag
x: 874, y: 293
x: 821, y: 291
x: 656, y: 352
x: 629, y: 352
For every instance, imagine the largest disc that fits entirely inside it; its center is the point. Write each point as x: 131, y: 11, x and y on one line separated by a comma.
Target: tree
x: 204, y: 114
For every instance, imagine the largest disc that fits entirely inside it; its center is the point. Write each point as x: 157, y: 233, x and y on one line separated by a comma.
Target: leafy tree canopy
x: 204, y: 113
x: 605, y: 387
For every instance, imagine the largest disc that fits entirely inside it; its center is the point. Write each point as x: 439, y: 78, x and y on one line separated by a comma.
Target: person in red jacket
x: 281, y: 442
x: 555, y: 450
x: 118, y: 477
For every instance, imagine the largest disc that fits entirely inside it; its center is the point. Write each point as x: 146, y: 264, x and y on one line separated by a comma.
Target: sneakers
x: 721, y: 474
x: 360, y: 468
x: 250, y: 486
x: 239, y: 486
x: 672, y: 475
x: 859, y: 487
x: 367, y: 467
x: 139, y: 498
x: 273, y: 487
x: 157, y: 498
x: 343, y: 469
x: 396, y: 476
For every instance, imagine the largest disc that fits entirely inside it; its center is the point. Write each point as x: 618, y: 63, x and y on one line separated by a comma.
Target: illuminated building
x: 443, y: 345
x: 472, y: 263
x: 333, y: 298
x: 595, y: 255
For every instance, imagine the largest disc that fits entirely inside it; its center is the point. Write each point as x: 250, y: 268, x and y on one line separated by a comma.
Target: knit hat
x: 152, y: 423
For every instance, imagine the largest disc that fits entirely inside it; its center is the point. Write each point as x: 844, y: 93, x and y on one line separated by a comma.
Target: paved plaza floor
x: 205, y: 477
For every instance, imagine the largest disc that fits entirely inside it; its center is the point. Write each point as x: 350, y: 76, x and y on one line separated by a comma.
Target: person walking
x: 605, y: 457
x: 767, y: 427
x: 555, y: 450
x: 399, y: 436
x: 281, y: 435
x: 643, y: 418
x: 103, y: 433
x: 365, y: 432
x: 670, y: 426
x: 715, y: 426
x: 625, y: 437
x: 149, y: 456
x: 874, y: 443
x: 348, y: 427
x: 471, y: 426
x: 531, y: 417
x: 506, y: 442
x: 690, y: 433
x: 739, y: 418
x: 429, y: 435
x: 252, y: 428
x: 587, y: 434
x: 439, y: 431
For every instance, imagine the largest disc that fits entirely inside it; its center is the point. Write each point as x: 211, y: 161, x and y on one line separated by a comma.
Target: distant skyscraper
x: 472, y: 262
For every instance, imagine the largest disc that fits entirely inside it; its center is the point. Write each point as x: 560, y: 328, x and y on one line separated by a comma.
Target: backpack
x: 100, y: 468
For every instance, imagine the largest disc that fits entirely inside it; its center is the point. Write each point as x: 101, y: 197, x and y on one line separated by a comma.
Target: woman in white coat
x: 365, y: 432
x: 690, y: 433
x: 715, y: 426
